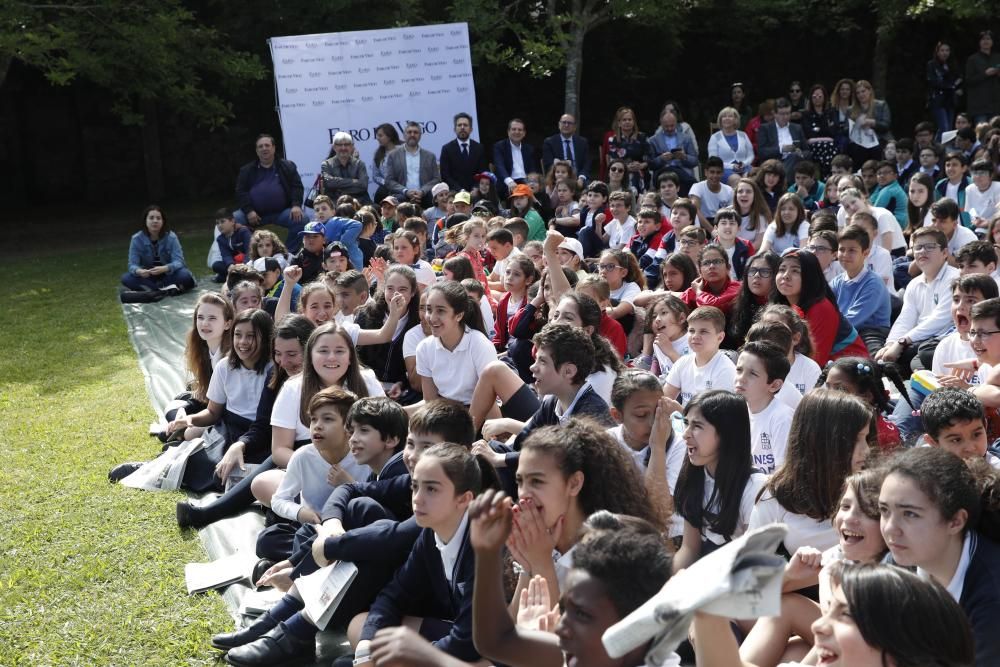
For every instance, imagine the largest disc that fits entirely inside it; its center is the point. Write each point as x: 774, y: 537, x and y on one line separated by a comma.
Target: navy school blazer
x: 420, y: 588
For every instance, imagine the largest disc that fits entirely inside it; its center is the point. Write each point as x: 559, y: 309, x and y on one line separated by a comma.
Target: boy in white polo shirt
x: 705, y: 366
x: 926, y: 303
x: 945, y: 214
x: 760, y: 373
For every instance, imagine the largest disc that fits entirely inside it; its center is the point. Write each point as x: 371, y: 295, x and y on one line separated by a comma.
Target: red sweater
x: 612, y: 330
x: 833, y: 336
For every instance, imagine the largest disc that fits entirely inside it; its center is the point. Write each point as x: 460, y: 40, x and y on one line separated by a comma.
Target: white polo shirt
x: 455, y: 372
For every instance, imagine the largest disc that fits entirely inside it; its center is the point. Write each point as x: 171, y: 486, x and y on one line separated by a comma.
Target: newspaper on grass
x: 201, y: 577
x: 323, y: 590
x: 740, y: 580
x: 165, y: 472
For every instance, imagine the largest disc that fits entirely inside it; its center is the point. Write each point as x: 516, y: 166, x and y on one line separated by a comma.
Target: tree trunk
x: 574, y: 70
x: 152, y: 160
x: 885, y: 38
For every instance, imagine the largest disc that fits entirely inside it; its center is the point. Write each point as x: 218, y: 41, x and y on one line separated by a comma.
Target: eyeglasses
x: 687, y: 243
x: 616, y: 170
x: 926, y: 247
x: 762, y: 273
x: 818, y: 248
x: 709, y: 263
x: 609, y: 267
x: 981, y: 335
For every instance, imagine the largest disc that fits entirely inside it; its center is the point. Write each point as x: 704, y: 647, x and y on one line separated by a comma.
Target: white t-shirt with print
x: 769, y: 435
x: 680, y: 347
x: 719, y: 373
x: 804, y: 374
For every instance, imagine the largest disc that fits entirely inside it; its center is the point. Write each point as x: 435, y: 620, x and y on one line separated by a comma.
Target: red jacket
x: 502, y: 326
x: 723, y: 301
x: 833, y: 336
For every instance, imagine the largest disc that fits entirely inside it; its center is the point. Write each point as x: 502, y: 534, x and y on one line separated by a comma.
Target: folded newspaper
x: 200, y: 577
x: 323, y: 590
x: 740, y: 580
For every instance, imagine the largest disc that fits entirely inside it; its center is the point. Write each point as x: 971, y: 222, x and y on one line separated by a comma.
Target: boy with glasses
x: 926, y: 302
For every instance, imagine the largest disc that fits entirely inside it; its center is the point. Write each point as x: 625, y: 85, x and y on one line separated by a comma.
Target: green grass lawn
x: 90, y: 573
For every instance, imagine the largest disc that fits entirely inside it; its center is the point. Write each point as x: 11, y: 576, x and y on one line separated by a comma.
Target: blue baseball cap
x: 314, y: 227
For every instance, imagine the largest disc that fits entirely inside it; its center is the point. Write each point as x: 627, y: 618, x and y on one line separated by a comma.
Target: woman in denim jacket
x: 155, y: 258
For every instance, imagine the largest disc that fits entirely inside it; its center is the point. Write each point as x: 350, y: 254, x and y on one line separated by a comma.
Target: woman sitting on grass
x: 155, y: 257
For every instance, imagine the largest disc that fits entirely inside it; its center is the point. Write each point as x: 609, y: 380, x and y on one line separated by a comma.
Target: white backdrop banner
x: 355, y: 81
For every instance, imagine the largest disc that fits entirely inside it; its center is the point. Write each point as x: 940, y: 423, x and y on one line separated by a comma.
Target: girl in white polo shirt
x: 450, y: 361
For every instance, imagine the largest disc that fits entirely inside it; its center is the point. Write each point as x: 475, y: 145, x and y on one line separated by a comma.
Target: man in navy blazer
x: 782, y: 139
x: 567, y: 145
x: 513, y: 158
x: 462, y: 157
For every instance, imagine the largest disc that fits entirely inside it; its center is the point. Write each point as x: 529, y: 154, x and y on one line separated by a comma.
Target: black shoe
x: 189, y: 516
x: 275, y: 648
x: 123, y: 470
x: 262, y: 566
x: 230, y: 640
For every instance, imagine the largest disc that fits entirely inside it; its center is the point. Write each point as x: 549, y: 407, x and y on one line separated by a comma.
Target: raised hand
x: 490, y: 521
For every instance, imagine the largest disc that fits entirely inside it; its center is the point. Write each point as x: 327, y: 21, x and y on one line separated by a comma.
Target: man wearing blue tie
x: 566, y: 145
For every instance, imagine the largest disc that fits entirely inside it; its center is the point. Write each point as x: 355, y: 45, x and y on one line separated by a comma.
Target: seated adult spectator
x: 388, y: 139
x: 343, y: 173
x: 411, y: 172
x: 630, y: 146
x: 463, y: 157
x: 765, y: 114
x: 819, y: 126
x: 567, y: 145
x: 782, y: 139
x: 732, y: 146
x: 513, y: 158
x: 673, y: 151
x: 269, y: 192
x: 155, y: 258
x: 871, y: 128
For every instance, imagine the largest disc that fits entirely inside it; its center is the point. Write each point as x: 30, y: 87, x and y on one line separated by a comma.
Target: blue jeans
x: 284, y: 219
x: 943, y: 116
x: 181, y: 277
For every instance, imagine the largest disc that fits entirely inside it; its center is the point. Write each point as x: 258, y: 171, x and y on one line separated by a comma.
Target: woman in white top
x: 331, y: 360
x: 450, y: 361
x: 861, y: 627
x: 717, y: 486
x: 831, y: 436
x: 732, y: 145
x: 788, y: 637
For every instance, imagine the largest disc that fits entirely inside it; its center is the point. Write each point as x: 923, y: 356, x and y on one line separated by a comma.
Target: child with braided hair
x: 863, y: 378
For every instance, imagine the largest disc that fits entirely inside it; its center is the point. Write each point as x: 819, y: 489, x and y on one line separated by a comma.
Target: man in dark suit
x: 411, y: 171
x: 513, y: 159
x: 782, y: 139
x: 462, y: 157
x: 567, y: 145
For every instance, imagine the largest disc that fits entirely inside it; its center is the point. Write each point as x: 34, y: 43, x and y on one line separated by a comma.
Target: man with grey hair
x: 411, y: 171
x: 343, y: 173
